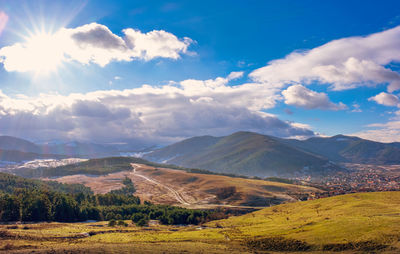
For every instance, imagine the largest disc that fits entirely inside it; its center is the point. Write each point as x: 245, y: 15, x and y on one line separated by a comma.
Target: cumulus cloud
x: 301, y: 96
x: 344, y: 64
x: 157, y: 114
x: 385, y: 99
x: 91, y: 43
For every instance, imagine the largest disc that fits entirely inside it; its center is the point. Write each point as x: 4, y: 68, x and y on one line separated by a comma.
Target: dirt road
x: 178, y: 196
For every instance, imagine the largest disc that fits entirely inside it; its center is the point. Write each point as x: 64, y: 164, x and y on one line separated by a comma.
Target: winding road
x: 178, y: 196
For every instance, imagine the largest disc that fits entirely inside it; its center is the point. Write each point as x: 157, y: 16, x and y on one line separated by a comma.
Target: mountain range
x: 253, y: 154
x: 17, y: 149
x: 243, y: 153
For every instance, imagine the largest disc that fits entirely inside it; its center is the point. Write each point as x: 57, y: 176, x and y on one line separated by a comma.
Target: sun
x: 43, y: 53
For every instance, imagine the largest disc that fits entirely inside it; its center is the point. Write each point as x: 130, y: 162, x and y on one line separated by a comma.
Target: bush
x: 112, y: 223
x: 277, y: 244
x: 138, y: 216
x: 142, y: 222
x: 360, y: 246
x: 122, y: 223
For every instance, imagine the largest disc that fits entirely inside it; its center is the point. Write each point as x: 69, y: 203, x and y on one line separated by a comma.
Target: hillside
x: 11, y: 183
x: 342, y: 148
x: 161, y: 185
x: 243, y: 153
x: 324, y: 223
x: 355, y: 223
x: 101, y: 166
x: 17, y: 144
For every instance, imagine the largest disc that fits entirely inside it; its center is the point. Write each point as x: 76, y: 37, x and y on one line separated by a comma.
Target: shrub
x: 112, y: 223
x: 122, y: 223
x: 142, y: 222
x: 277, y: 244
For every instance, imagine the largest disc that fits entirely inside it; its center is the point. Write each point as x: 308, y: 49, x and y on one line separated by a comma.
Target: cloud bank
x: 92, y: 43
x: 343, y: 64
x: 157, y: 114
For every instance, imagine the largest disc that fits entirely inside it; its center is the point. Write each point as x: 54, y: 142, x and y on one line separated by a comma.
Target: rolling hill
x: 323, y: 224
x: 354, y: 223
x: 162, y: 185
x: 244, y: 153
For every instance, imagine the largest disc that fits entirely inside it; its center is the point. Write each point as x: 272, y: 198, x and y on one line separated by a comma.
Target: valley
x: 213, y: 201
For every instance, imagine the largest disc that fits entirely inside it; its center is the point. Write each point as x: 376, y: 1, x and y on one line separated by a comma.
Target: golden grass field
x: 198, y: 190
x: 354, y: 223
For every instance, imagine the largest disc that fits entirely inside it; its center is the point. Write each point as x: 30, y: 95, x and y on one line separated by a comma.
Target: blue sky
x: 223, y: 37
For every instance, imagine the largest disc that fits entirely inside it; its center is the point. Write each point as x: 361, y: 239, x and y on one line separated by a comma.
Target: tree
x: 9, y: 208
x: 112, y: 223
x: 142, y: 222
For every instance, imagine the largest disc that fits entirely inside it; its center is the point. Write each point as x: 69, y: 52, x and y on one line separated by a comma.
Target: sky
x: 157, y: 72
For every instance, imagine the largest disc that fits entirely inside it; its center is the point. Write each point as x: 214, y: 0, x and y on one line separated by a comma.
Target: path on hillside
x: 178, y: 196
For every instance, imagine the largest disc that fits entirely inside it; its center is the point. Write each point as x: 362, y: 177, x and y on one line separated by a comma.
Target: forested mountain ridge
x: 244, y: 153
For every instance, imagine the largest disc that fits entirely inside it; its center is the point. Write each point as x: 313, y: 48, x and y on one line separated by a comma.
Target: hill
x: 354, y: 223
x: 101, y: 166
x: 17, y: 144
x: 244, y: 153
x: 323, y: 223
x: 161, y: 185
x: 342, y: 148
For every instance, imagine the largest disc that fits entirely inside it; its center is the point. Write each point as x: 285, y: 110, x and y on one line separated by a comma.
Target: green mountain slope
x: 243, y: 153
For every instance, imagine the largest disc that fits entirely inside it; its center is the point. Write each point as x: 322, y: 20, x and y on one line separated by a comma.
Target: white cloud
x: 385, y: 99
x: 157, y: 114
x: 91, y: 43
x: 301, y: 96
x: 383, y: 132
x: 356, y: 108
x: 346, y: 63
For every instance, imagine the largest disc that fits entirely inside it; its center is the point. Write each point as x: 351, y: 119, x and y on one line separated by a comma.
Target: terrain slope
x: 177, y: 187
x: 353, y: 223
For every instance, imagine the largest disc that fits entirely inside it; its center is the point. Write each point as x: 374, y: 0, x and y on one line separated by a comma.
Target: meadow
x: 353, y: 223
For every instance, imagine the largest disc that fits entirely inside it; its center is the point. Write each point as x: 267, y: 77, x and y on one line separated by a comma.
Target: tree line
x: 33, y: 200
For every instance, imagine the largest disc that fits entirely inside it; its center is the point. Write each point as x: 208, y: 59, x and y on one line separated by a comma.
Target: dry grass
x: 357, y: 223
x: 200, y: 190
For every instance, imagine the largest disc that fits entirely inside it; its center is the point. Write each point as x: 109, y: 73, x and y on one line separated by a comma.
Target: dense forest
x: 34, y: 200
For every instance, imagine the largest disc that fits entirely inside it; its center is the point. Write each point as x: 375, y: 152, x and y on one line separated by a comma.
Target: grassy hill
x: 243, y: 153
x: 197, y: 190
x: 356, y: 223
x: 336, y: 223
